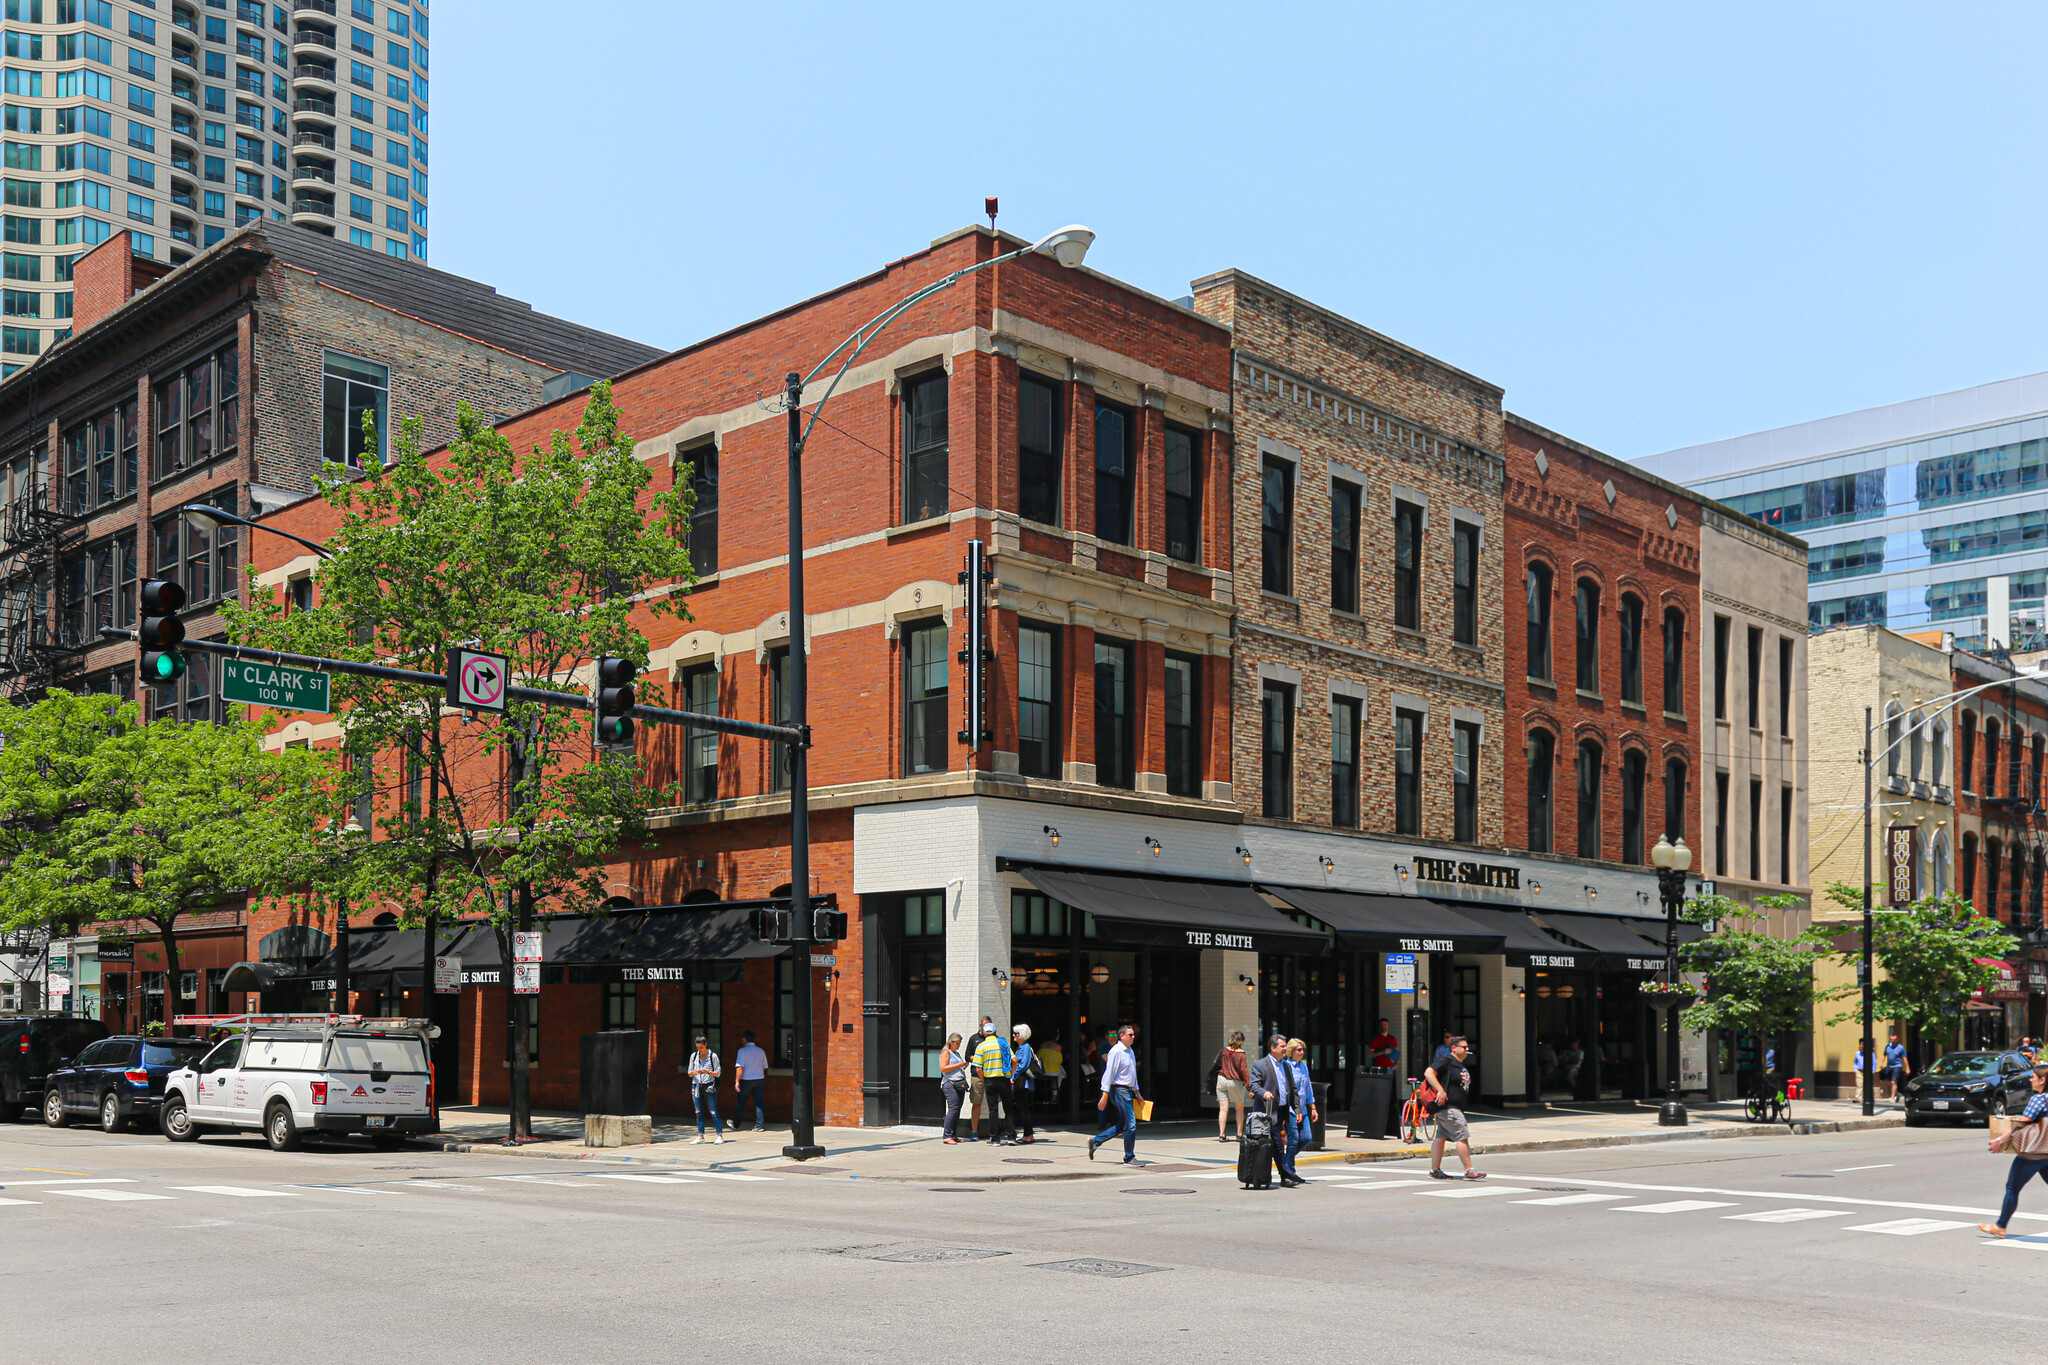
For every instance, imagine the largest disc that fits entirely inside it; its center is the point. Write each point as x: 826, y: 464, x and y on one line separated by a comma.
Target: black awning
x: 1166, y: 914
x: 707, y: 942
x: 256, y: 976
x: 375, y: 956
x: 1621, y: 946
x: 1396, y: 924
x: 1527, y: 945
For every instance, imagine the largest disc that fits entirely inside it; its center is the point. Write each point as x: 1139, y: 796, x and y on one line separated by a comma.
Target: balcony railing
x: 314, y: 6
x: 312, y: 206
x: 314, y: 140
x: 309, y: 72
x: 313, y: 173
x: 322, y: 107
x: 316, y: 37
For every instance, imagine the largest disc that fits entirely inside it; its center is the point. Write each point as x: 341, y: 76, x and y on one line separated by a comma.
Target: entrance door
x: 924, y: 1030
x: 1559, y: 1001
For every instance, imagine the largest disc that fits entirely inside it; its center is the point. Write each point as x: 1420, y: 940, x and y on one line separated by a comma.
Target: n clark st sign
x: 1504, y: 876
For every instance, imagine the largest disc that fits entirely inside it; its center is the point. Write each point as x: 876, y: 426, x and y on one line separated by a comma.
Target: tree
x: 109, y: 820
x: 1929, y: 951
x: 1755, y: 983
x: 543, y: 558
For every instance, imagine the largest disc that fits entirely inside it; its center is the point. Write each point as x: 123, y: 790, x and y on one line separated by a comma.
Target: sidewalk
x: 916, y: 1154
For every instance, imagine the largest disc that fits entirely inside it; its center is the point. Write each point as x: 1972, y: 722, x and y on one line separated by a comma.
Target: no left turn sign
x: 477, y: 680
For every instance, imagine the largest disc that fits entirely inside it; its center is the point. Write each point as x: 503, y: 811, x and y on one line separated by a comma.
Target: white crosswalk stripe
x: 1472, y: 1191
x: 111, y: 1196
x: 1908, y: 1227
x: 2038, y: 1242
x: 1785, y: 1215
x: 731, y: 1175
x: 1574, y: 1199
x: 19, y: 1201
x: 346, y: 1189
x: 1674, y: 1206
x: 238, y: 1191
x: 649, y: 1179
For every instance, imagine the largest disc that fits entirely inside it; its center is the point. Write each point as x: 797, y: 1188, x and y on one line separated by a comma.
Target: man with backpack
x: 996, y: 1064
x: 974, y: 1079
x: 1027, y: 1073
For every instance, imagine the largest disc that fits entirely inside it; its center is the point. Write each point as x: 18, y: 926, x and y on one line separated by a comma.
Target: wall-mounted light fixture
x: 1536, y: 888
x: 1251, y: 987
x: 1002, y: 978
x: 1098, y: 974
x: 1324, y: 859
x: 1055, y: 835
x: 1152, y: 844
x: 1245, y: 854
x: 1592, y: 893
x: 1401, y: 871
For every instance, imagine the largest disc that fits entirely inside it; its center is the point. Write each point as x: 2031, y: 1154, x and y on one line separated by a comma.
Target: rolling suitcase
x: 1255, y: 1153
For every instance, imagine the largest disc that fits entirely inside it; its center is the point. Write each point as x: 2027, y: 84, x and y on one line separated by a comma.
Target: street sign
x: 824, y: 959
x: 447, y: 976
x: 1400, y: 973
x: 526, y: 978
x: 274, y: 685
x: 526, y: 946
x: 477, y: 680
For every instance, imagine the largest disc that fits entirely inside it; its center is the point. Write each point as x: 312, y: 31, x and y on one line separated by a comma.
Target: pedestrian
x: 1305, y: 1115
x: 1274, y: 1083
x: 994, y: 1062
x: 1024, y: 1075
x: 1120, y: 1088
x: 1385, y: 1048
x: 1896, y: 1068
x: 750, y: 1070
x: 1452, y: 1083
x: 1858, y: 1065
x: 704, y: 1073
x: 1443, y: 1050
x: 1232, y: 1070
x: 1546, y: 1064
x: 1569, y: 1062
x: 975, y: 1093
x: 953, y: 1066
x: 2025, y: 1164
x: 1052, y: 1059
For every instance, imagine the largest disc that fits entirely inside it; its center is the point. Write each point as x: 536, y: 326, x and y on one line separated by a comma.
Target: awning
x: 1527, y: 945
x: 254, y: 976
x: 1157, y: 913
x: 708, y: 942
x: 1620, y: 943
x: 2008, y: 986
x: 1395, y: 924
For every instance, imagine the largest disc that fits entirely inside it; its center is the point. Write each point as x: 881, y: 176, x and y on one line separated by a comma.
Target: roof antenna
x: 988, y: 206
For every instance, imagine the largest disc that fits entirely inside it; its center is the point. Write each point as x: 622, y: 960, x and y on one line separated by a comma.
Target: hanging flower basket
x: 1665, y: 995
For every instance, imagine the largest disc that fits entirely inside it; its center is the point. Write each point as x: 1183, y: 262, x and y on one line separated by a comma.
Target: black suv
x: 33, y: 1046
x: 117, y: 1079
x: 1970, y: 1086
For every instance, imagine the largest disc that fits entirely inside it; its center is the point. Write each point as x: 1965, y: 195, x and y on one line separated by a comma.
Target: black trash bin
x: 1372, y: 1103
x: 614, y: 1078
x: 1316, y: 1125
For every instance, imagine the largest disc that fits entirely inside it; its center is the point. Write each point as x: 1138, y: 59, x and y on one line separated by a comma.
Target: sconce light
x: 1592, y: 893
x: 1098, y: 974
x: 1401, y: 871
x: 1002, y: 978
x: 1152, y: 844
x: 1251, y: 987
x: 1521, y: 992
x: 1324, y: 859
x: 1536, y: 888
x: 1245, y: 854
x: 1055, y: 835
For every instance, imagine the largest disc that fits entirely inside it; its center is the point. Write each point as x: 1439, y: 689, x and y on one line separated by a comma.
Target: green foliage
x: 1928, y: 953
x: 1755, y: 983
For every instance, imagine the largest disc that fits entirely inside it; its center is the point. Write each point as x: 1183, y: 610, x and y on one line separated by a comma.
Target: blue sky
x: 1652, y: 224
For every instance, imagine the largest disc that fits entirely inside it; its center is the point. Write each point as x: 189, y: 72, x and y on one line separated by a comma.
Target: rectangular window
x: 1183, y: 494
x: 1756, y: 677
x: 1276, y: 750
x: 1966, y: 754
x: 352, y: 389
x: 1276, y: 526
x: 1785, y: 687
x: 363, y: 74
x: 1785, y: 835
x: 1634, y: 780
x: 1631, y: 648
x: 396, y: 87
x: 359, y: 206
x: 785, y: 1009
x: 20, y: 341
x: 394, y: 218
x: 1721, y: 633
x: 1407, y: 771
x: 141, y: 209
x: 1407, y: 566
x: 1588, y: 636
x: 1465, y: 782
x: 1037, y: 717
x: 1674, y: 661
x: 395, y: 185
x: 925, y: 421
x: 1465, y: 585
x: 1115, y: 439
x: 1182, y: 698
x: 1589, y: 799
x: 198, y: 414
x: 621, y: 1005
x: 143, y: 136
x: 141, y: 172
x: 1346, y: 715
x: 361, y: 173
x: 779, y: 771
x: 21, y: 303
x: 1756, y: 837
x: 200, y: 557
x: 702, y: 465
x: 700, y: 747
x: 1114, y: 702
x: 20, y: 267
x: 362, y: 107
x: 1542, y: 773
x: 1038, y: 450
x: 365, y: 43
x: 24, y: 156
x: 924, y: 698
x: 1346, y: 500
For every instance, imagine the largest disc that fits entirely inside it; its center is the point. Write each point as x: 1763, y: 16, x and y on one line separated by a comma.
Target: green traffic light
x: 164, y: 666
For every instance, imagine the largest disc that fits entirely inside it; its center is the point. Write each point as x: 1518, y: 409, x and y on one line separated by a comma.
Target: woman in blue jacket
x: 1304, y: 1115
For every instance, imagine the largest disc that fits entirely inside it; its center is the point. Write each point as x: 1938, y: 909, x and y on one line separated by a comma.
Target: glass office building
x: 1908, y: 510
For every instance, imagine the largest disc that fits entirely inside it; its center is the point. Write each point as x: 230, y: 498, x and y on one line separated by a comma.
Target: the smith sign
x: 1203, y: 938
x: 1504, y: 876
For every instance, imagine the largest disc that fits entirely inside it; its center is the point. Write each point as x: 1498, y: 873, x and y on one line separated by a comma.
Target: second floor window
x: 1183, y: 699
x: 1115, y: 438
x: 1542, y: 764
x: 1756, y: 677
x: 924, y: 698
x: 1345, y: 500
x: 1407, y: 566
x: 1276, y: 750
x: 99, y: 590
x: 1589, y: 799
x: 1114, y: 702
x: 1038, y: 450
x: 1407, y: 771
x: 200, y: 558
x: 924, y: 446
x: 1674, y: 661
x: 700, y: 747
x: 1037, y: 669
x: 1183, y: 495
x: 1588, y: 677
x: 1537, y: 586
x: 1465, y: 782
x: 1345, y: 715
x: 702, y: 463
x: 1276, y: 526
x: 352, y: 389
x: 1631, y: 648
x: 1465, y: 585
x: 198, y: 412
x: 1634, y: 778
x: 1721, y: 631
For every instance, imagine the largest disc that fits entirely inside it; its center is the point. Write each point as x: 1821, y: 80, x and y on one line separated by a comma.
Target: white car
x: 366, y: 1077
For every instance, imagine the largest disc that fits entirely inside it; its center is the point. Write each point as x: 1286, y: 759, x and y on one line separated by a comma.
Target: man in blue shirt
x: 1120, y: 1088
x: 1896, y: 1068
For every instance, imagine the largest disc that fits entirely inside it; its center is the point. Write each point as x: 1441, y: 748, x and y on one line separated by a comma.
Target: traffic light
x: 162, y: 632
x: 771, y: 925
x: 828, y: 926
x: 615, y: 702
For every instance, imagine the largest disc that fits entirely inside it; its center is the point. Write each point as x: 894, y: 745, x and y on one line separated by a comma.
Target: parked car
x: 116, y: 1080
x: 370, y: 1078
x: 31, y: 1047
x: 1970, y: 1086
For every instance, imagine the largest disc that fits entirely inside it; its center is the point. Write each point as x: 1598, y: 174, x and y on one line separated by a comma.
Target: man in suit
x: 1273, y: 1083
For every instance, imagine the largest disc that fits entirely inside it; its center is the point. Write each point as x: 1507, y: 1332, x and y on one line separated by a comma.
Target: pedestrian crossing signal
x: 162, y: 632
x: 828, y: 926
x: 771, y: 925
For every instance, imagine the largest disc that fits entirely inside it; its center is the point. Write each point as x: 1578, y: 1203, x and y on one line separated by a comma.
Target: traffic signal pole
x: 803, y: 1138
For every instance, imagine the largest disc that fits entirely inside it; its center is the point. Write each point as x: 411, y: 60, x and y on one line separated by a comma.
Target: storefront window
x: 621, y: 1005
x: 707, y: 1012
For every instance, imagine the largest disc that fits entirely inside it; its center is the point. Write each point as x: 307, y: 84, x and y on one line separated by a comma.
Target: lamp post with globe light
x: 1671, y: 861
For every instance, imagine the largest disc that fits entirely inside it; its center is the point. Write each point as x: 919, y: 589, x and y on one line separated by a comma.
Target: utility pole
x: 803, y: 1143
x: 1869, y: 1042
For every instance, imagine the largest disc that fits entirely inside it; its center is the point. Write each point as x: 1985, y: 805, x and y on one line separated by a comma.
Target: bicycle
x: 1418, y: 1125
x: 1767, y: 1102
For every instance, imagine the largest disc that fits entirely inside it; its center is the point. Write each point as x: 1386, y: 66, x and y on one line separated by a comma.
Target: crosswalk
x: 101, y: 1190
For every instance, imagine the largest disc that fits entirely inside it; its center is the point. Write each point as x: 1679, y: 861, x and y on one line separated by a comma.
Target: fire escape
x: 36, y: 535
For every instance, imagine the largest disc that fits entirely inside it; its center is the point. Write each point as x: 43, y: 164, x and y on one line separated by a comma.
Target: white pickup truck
x: 370, y: 1077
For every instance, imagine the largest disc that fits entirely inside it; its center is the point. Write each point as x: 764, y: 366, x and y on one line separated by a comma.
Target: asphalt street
x: 1750, y: 1249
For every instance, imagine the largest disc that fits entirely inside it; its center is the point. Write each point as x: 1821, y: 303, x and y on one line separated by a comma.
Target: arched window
x: 1991, y: 757
x: 1589, y: 799
x: 1966, y: 754
x: 1674, y: 799
x: 1937, y: 771
x: 1916, y: 747
x: 1542, y: 773
x: 1674, y: 660
x: 1631, y: 648
x: 1539, y: 621
x: 1969, y: 868
x: 1935, y: 880
x: 1635, y: 769
x: 1589, y: 636
x: 1894, y: 733
x: 1994, y: 867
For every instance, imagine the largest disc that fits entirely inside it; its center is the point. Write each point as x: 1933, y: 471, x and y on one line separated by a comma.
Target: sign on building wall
x: 1899, y: 840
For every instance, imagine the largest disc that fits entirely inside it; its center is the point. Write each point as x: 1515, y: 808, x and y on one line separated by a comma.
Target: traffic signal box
x: 776, y: 925
x: 615, y: 701
x: 162, y: 632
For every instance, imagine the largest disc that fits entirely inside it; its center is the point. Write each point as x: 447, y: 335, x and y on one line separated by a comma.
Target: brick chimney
x: 108, y: 276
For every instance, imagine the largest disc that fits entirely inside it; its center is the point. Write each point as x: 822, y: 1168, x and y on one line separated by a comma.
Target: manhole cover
x: 1162, y: 1189
x: 941, y: 1254
x: 1111, y: 1270
x: 1027, y: 1161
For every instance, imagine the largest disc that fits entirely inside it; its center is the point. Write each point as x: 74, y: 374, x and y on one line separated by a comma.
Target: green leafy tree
x: 543, y: 558
x: 1929, y: 954
x: 1756, y: 983
x: 106, y: 819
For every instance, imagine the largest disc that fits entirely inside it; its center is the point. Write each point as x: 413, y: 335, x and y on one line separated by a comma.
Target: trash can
x: 1316, y: 1125
x: 1372, y: 1103
x: 614, y: 1072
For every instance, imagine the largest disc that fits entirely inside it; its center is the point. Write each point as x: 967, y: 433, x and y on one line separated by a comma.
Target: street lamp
x: 1671, y: 861
x: 215, y: 518
x: 1067, y: 246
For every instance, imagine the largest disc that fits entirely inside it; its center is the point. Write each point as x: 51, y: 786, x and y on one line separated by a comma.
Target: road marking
x: 1384, y: 1185
x: 1473, y: 1191
x: 51, y: 1170
x: 110, y: 1195
x: 650, y: 1179
x: 89, y: 1180
x: 2024, y: 1243
x: 442, y: 1185
x: 1772, y: 1195
x: 1574, y: 1199
x: 738, y: 1175
x: 20, y: 1201
x: 543, y: 1180
x: 1908, y: 1227
x: 345, y: 1189
x: 1785, y: 1215
x: 1675, y: 1206
x: 237, y: 1191
x: 1880, y: 1166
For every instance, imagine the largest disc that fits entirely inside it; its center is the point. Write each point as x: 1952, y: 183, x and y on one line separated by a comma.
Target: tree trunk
x: 169, y: 934
x: 520, y: 1109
